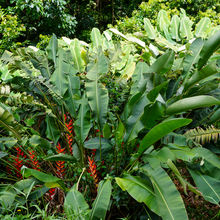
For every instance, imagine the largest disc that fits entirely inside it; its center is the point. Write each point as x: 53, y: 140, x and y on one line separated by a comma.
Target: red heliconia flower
x: 97, y: 131
x: 93, y: 152
x: 69, y: 126
x: 51, y: 193
x: 60, y: 165
x: 34, y: 160
x: 93, y: 171
x: 19, y: 161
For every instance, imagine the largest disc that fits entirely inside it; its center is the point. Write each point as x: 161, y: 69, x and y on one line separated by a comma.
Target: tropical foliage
x: 83, y: 123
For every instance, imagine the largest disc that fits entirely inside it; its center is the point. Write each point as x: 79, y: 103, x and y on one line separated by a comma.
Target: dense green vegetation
x: 118, y: 123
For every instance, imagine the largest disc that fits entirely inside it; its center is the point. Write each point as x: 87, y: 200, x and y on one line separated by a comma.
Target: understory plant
x: 82, y: 123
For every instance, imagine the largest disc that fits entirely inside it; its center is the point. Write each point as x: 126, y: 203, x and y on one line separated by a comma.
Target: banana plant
x: 72, y: 76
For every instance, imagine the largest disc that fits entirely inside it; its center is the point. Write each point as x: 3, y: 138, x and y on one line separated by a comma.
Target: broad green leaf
x: 192, y: 103
x: 137, y: 41
x: 160, y: 130
x: 203, y: 27
x: 52, y: 49
x: 3, y: 154
x: 38, y: 193
x: 128, y: 71
x: 153, y: 114
x: 98, y: 100
x: 120, y: 131
x: 115, y: 31
x: 193, y: 56
x: 134, y: 124
x: 205, y: 72
x: 185, y: 26
x: 36, y: 140
x: 82, y: 125
x: 73, y: 94
x: 139, y: 189
x: 7, y: 197
x: 207, y: 155
x: 75, y: 205
x: 76, y: 53
x: 150, y: 31
x: 139, y: 83
x: 94, y: 143
x: 163, y: 42
x: 163, y: 64
x: 214, y: 30
x: 153, y: 94
x: 52, y: 132
x: 174, y: 27
x: 96, y: 38
x: 163, y: 21
x: 63, y: 68
x: 6, y: 120
x: 215, y: 117
x: 5, y: 117
x: 43, y: 177
x: 101, y: 203
x: 61, y: 157
x: 169, y: 201
x: 209, y: 186
x: 107, y: 133
x: 98, y: 66
x: 210, y: 46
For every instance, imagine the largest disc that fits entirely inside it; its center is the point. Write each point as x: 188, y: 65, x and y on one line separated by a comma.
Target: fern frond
x: 203, y: 136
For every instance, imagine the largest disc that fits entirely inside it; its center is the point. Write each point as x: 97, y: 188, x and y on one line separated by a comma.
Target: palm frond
x: 203, y: 136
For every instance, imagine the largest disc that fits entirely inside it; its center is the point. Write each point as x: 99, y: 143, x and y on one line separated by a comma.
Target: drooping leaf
x: 134, y: 124
x: 63, y: 68
x: 96, y: 38
x: 3, y: 154
x: 209, y: 186
x: 192, y: 103
x: 128, y: 71
x: 150, y: 31
x: 43, y: 177
x: 169, y: 201
x: 185, y: 26
x: 153, y: 114
x: 76, y: 53
x: 139, y: 189
x: 52, y: 49
x: 73, y: 94
x: 75, y: 204
x: 36, y: 140
x: 38, y: 193
x: 210, y: 46
x: 82, y: 125
x: 98, y: 100
x: 94, y: 143
x: 205, y: 72
x: 203, y: 27
x: 163, y: 64
x: 207, y: 155
x: 139, y: 83
x: 52, y: 131
x: 101, y: 203
x: 174, y: 27
x: 6, y: 120
x: 193, y: 57
x: 98, y: 66
x: 163, y: 22
x: 160, y: 130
